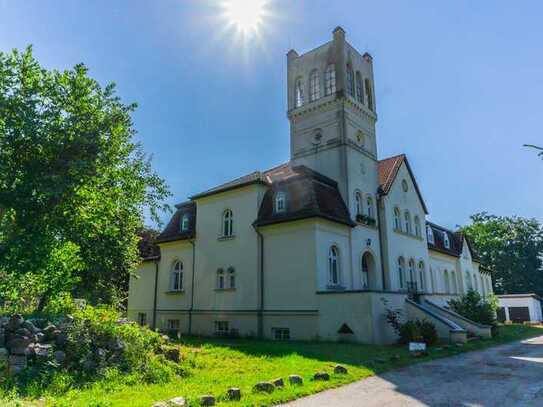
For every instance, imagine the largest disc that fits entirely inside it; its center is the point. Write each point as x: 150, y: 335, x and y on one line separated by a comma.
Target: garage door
x: 519, y: 314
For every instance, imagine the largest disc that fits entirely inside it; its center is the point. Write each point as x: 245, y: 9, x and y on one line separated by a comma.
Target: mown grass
x: 214, y: 365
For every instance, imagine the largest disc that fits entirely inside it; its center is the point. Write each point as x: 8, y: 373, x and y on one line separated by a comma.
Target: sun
x: 247, y: 16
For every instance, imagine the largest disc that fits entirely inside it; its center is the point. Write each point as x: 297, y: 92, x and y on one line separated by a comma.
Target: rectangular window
x: 172, y: 326
x: 221, y: 328
x: 142, y: 318
x: 281, y: 334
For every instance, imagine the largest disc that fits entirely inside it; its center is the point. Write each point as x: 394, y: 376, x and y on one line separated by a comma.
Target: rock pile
x: 23, y: 341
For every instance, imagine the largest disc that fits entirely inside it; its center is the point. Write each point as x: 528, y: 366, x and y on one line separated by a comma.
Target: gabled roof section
x: 308, y: 195
x: 173, y: 230
x: 255, y: 177
x: 147, y: 247
x: 388, y: 171
x: 455, y: 238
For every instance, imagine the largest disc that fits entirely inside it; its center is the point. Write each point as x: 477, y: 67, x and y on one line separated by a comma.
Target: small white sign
x: 417, y: 347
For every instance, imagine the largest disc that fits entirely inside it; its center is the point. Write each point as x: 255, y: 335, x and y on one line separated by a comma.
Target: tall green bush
x: 476, y: 308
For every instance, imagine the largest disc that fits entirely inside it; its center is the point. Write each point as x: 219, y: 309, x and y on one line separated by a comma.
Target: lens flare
x: 246, y: 15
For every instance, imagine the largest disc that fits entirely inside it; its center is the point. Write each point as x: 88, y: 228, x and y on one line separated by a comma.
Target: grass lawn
x: 214, y: 365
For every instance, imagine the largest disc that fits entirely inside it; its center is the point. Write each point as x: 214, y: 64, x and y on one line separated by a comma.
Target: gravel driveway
x: 507, y: 375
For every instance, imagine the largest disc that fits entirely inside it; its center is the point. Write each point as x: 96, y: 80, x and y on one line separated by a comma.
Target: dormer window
x: 446, y: 241
x: 184, y: 223
x: 430, y: 235
x: 280, y: 202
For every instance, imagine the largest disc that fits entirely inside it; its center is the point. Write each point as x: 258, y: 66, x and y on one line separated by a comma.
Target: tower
x: 331, y: 109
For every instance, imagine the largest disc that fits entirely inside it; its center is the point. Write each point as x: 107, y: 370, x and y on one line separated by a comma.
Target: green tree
x: 512, y: 247
x: 74, y: 186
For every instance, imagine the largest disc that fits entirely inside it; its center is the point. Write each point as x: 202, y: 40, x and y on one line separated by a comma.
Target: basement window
x: 172, y: 327
x: 221, y: 328
x: 142, y: 318
x: 281, y: 334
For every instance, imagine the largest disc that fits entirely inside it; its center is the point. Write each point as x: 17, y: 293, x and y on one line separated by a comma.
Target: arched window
x: 412, y: 276
x: 299, y: 88
x: 369, y: 94
x: 475, y: 284
x: 280, y: 202
x: 314, y: 86
x: 446, y: 281
x: 417, y: 227
x: 359, y: 88
x: 231, y: 277
x: 220, y: 279
x: 333, y: 266
x: 365, y: 271
x: 176, y: 276
x: 330, y: 80
x: 228, y: 223
x: 185, y: 223
x: 358, y: 202
x: 467, y: 280
x: 432, y: 279
x: 454, y: 285
x: 350, y: 80
x: 446, y: 241
x: 401, y: 273
x: 407, y: 219
x: 430, y: 235
x: 421, y: 275
x: 397, y: 221
x: 369, y: 207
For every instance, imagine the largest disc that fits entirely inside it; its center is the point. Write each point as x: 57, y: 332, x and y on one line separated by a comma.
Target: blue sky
x: 458, y: 86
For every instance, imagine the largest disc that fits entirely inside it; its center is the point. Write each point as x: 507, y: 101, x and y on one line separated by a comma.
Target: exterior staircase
x: 447, y: 329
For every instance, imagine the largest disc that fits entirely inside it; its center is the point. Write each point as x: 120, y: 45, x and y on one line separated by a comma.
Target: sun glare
x: 246, y: 15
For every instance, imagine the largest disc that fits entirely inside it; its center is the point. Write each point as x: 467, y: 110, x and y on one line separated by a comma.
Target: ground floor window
x: 221, y: 328
x: 142, y: 318
x: 172, y: 326
x: 281, y: 334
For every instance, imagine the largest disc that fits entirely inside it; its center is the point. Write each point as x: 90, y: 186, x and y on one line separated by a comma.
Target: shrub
x: 476, y: 308
x: 413, y: 330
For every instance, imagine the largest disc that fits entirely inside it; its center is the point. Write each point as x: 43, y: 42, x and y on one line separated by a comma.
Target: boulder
x: 177, y: 402
x: 160, y: 404
x: 207, y: 400
x: 266, y: 387
x: 42, y: 351
x: 234, y: 393
x: 15, y: 322
x: 278, y: 382
x: 61, y: 339
x: 18, y: 342
x: 321, y: 376
x: 295, y: 379
x: 28, y: 325
x: 50, y: 331
x: 23, y: 332
x: 339, y: 369
x: 40, y: 337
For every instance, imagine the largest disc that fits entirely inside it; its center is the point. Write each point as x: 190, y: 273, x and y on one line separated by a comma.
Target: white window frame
x: 184, y: 222
x: 430, y: 234
x: 281, y: 334
x: 222, y: 328
x: 369, y: 207
x: 369, y: 94
x: 401, y: 273
x: 397, y: 219
x: 407, y: 220
x: 350, y: 81
x: 280, y: 202
x: 228, y: 223
x: 176, y: 276
x: 359, y: 88
x: 330, y: 80
x: 365, y: 272
x: 231, y: 274
x: 299, y: 93
x: 142, y: 318
x: 421, y: 275
x: 446, y: 241
x: 220, y: 279
x: 314, y: 86
x: 358, y: 203
x: 334, y: 272
x: 417, y: 227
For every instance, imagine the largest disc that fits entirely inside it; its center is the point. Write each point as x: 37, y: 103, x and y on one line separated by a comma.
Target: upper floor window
x: 231, y: 277
x: 333, y: 266
x: 220, y: 279
x: 369, y: 94
x: 412, y: 277
x: 314, y: 86
x: 299, y: 88
x: 417, y: 227
x: 185, y: 223
x: 358, y: 202
x: 407, y: 219
x: 350, y: 80
x: 447, y: 282
x: 369, y: 207
x: 359, y: 88
x: 280, y: 202
x: 228, y: 223
x: 397, y: 220
x: 467, y: 280
x: 405, y: 186
x: 446, y: 241
x: 176, y: 276
x: 430, y: 234
x: 330, y: 80
x: 454, y: 285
